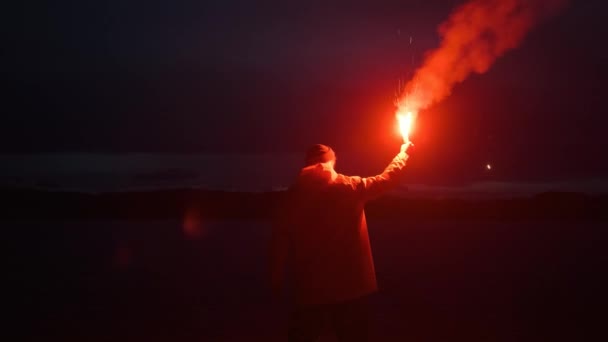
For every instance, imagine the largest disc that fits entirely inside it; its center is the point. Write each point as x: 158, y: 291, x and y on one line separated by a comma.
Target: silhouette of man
x: 321, y: 235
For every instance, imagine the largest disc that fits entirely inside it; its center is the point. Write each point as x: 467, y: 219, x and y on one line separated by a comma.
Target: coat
x: 321, y: 233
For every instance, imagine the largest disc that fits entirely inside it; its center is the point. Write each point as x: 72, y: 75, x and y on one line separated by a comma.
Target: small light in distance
x: 489, y: 167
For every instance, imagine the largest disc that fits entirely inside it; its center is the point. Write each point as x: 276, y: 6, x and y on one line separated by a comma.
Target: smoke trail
x: 474, y: 36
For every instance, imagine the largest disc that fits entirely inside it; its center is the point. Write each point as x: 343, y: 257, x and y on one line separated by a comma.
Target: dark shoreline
x: 23, y: 203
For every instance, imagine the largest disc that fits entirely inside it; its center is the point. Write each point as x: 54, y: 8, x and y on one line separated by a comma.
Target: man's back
x: 331, y: 254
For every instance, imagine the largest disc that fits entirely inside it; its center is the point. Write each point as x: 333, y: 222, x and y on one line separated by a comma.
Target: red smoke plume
x: 474, y: 36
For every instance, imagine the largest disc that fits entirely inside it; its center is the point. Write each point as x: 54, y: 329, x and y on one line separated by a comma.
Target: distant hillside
x: 18, y: 203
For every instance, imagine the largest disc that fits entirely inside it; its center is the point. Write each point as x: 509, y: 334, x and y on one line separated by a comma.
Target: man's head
x: 320, y: 154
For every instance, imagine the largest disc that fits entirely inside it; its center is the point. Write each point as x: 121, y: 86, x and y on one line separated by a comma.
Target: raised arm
x: 372, y: 187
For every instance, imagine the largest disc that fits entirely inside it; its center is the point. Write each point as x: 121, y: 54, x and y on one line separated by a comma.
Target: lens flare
x: 192, y: 226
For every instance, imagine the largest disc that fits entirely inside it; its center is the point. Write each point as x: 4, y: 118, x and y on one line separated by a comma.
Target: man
x: 321, y: 234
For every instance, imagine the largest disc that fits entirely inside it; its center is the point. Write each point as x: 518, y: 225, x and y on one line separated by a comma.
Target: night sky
x: 244, y: 77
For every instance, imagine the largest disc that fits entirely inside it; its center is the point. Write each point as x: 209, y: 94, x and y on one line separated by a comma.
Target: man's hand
x: 407, y: 147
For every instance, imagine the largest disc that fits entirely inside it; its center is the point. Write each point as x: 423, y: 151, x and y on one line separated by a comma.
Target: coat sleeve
x: 372, y: 187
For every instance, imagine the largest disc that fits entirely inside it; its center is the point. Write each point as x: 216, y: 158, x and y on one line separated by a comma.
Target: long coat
x: 321, y: 233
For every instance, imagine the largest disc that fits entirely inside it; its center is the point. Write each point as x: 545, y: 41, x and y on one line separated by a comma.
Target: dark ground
x: 203, y: 280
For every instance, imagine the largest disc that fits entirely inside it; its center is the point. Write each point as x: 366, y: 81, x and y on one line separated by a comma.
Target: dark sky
x: 274, y: 77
